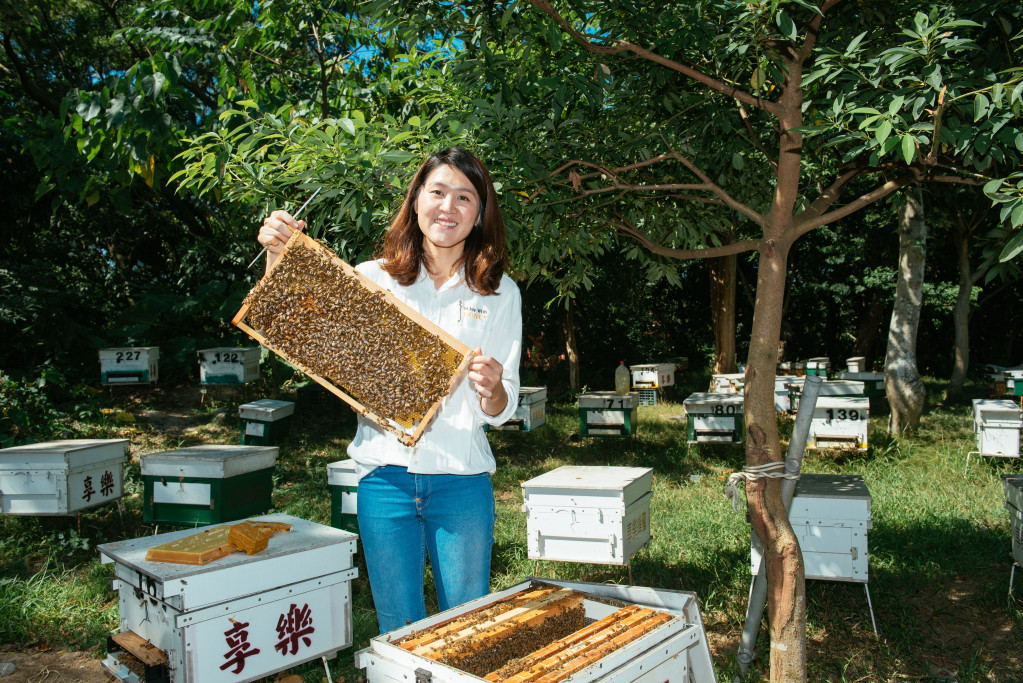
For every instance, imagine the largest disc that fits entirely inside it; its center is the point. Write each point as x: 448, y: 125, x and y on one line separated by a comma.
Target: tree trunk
x: 571, y: 349
x: 783, y: 561
x: 722, y: 312
x: 961, y: 320
x: 903, y: 385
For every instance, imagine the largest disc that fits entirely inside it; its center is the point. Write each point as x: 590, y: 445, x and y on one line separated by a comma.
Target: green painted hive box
x: 229, y: 365
x: 343, y: 481
x: 265, y: 422
x: 605, y: 413
x: 207, y: 484
x: 129, y: 365
x: 713, y: 417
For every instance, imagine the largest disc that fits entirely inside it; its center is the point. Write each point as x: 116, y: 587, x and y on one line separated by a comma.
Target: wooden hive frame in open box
x: 353, y: 337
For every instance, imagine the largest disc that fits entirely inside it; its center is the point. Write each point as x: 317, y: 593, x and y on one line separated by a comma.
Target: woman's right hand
x: 275, y: 233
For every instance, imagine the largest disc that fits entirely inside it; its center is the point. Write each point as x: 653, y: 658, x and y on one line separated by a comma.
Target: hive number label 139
x: 843, y: 414
x: 123, y: 356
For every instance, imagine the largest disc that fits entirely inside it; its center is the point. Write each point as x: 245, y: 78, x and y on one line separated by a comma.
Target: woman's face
x: 447, y: 208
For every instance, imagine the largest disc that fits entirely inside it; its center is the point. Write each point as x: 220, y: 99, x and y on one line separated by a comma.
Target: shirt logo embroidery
x: 471, y: 314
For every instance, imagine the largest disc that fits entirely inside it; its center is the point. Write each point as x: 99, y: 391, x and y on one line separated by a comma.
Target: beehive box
x: 129, y: 365
x: 819, y: 366
x: 228, y: 365
x: 605, y: 413
x: 782, y: 402
x: 530, y: 414
x: 856, y: 364
x: 653, y: 375
x: 839, y: 422
x: 1014, y: 382
x: 583, y: 632
x: 588, y: 514
x: 1013, y: 487
x: 729, y: 383
x: 830, y: 387
x: 207, y: 484
x: 997, y: 425
x: 343, y: 481
x: 830, y: 515
x: 61, y: 477
x: 238, y: 618
x: 714, y: 418
x: 265, y: 422
x: 353, y: 337
x: 873, y: 382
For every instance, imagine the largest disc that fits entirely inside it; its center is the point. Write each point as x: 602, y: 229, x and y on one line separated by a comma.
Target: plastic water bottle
x: 622, y: 379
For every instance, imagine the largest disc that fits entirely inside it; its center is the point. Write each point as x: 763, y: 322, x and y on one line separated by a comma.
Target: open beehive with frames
x: 546, y: 632
x: 353, y: 337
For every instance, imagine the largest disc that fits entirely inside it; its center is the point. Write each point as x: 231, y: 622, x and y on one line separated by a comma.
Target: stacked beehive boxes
x: 129, y: 365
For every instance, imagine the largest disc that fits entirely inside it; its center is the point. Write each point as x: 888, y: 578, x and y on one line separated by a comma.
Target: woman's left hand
x: 485, y: 373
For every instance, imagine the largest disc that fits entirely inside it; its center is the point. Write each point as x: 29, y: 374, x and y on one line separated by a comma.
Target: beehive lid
x: 625, y: 484
x: 342, y: 473
x: 841, y: 387
x: 353, y: 337
x: 861, y: 376
x: 1013, y: 485
x: 209, y: 461
x: 703, y: 401
x: 847, y: 486
x: 608, y: 400
x: 67, y: 453
x: 531, y: 395
x: 985, y: 409
x: 843, y: 403
x: 266, y: 409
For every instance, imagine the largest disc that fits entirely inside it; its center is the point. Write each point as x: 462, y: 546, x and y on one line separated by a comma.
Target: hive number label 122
x: 123, y: 356
x: 229, y: 357
x: 843, y: 414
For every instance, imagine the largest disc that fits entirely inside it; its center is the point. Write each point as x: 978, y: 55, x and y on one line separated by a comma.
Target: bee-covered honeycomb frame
x: 407, y: 434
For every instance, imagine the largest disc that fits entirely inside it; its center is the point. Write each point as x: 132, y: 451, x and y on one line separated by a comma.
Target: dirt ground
x: 32, y: 665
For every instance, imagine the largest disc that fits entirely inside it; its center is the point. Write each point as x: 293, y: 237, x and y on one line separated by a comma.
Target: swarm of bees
x: 316, y: 315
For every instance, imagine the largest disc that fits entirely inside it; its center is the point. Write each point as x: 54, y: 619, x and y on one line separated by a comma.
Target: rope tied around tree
x: 771, y: 470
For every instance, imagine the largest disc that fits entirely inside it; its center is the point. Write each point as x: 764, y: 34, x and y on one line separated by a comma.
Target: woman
x: 444, y: 255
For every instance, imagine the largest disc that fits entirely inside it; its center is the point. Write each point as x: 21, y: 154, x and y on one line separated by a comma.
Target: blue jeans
x: 403, y: 516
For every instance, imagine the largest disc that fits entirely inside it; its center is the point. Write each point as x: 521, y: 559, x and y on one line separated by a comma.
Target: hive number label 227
x: 123, y: 356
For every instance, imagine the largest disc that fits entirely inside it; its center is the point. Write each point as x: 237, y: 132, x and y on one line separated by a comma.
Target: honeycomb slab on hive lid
x: 353, y: 337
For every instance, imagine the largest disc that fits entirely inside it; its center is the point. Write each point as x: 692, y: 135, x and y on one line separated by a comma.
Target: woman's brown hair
x: 485, y: 254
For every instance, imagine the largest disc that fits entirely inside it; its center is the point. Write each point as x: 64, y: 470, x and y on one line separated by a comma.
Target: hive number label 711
x: 123, y: 356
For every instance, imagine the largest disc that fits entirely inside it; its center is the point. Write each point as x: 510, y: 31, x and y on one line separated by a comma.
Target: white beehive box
x: 873, y: 382
x: 839, y: 422
x: 782, y: 402
x: 677, y: 652
x: 653, y: 375
x: 729, y: 383
x: 129, y: 365
x: 61, y: 477
x: 343, y: 482
x: 714, y: 418
x: 599, y: 515
x: 997, y: 425
x: 241, y: 617
x: 819, y: 366
x: 229, y: 365
x: 1013, y: 487
x: 830, y: 515
x: 530, y: 414
x: 856, y: 364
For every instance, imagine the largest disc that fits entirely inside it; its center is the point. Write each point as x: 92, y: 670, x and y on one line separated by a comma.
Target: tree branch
x: 681, y: 254
x: 624, y: 46
x: 754, y: 140
x: 717, y: 190
x: 829, y: 196
x: 811, y: 30
x: 32, y: 89
x: 911, y: 176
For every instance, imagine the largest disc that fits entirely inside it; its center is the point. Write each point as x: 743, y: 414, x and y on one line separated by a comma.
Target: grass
x: 939, y: 549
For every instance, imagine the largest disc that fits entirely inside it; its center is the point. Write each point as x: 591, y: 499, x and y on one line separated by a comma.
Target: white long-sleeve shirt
x: 454, y: 442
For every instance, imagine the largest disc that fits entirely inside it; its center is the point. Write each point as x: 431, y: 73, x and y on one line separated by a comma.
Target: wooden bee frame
x: 448, y: 364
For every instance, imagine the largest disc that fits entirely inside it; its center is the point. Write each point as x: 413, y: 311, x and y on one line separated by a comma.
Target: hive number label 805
x: 123, y: 356
x: 843, y: 414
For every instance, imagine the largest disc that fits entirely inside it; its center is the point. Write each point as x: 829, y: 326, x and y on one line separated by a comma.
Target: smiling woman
x: 444, y: 256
